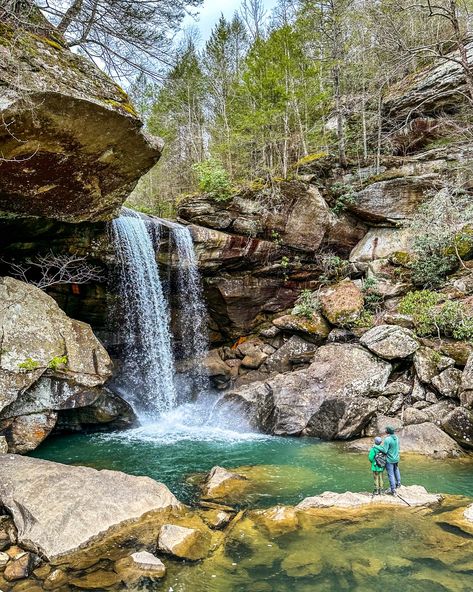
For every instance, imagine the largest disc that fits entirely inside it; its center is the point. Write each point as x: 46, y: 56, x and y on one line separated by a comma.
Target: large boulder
x: 424, y: 438
x: 59, y: 509
x: 390, y: 342
x: 329, y: 400
x: 382, y: 243
x: 49, y: 362
x: 294, y: 351
x: 433, y: 90
x: 72, y: 144
x: 393, y: 200
x: 316, y: 328
x: 459, y: 424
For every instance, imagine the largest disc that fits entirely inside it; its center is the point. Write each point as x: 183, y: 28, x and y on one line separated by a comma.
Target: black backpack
x: 380, y: 459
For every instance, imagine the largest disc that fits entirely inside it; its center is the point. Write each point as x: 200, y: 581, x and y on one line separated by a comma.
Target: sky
x: 210, y: 11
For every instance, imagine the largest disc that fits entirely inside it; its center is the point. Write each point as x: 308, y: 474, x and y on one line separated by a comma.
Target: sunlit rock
x: 413, y: 495
x: 223, y: 484
x: 183, y: 542
x: 58, y: 509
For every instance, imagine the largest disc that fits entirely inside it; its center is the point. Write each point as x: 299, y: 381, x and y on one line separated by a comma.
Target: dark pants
x: 394, y: 475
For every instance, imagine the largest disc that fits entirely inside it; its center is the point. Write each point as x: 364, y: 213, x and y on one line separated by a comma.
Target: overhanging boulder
x: 71, y: 143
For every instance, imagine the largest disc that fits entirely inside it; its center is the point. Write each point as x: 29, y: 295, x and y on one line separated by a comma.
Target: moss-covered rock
x: 71, y: 140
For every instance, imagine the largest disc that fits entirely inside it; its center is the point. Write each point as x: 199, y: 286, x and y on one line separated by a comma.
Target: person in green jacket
x: 391, y: 448
x: 375, y: 467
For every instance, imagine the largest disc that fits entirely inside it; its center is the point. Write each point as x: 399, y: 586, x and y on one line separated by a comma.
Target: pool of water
x: 285, y: 470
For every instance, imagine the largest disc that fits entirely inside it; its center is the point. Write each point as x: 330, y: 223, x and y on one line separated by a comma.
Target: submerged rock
x: 413, y: 495
x: 59, y: 509
x: 183, y: 542
x: 141, y: 564
x: 222, y: 484
x: 81, y: 147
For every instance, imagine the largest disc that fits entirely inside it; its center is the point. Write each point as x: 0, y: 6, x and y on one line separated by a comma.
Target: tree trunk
x: 69, y: 16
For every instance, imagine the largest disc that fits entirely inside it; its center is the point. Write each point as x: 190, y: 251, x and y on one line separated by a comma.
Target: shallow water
x: 386, y: 550
x: 174, y: 448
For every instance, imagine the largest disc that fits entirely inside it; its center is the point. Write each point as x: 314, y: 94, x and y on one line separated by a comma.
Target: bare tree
x: 45, y: 271
x: 253, y: 14
x: 124, y: 36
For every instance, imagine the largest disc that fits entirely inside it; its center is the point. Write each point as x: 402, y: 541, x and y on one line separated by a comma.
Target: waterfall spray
x: 192, y: 311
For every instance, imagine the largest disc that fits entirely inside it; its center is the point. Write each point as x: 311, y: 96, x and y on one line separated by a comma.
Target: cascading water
x: 147, y: 373
x: 192, y: 311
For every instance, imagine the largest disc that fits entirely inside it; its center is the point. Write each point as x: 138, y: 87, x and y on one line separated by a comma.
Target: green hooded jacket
x: 391, y: 448
x: 372, y: 453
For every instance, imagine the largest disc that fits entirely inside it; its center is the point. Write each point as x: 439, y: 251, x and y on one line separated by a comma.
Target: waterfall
x: 147, y: 371
x: 192, y: 311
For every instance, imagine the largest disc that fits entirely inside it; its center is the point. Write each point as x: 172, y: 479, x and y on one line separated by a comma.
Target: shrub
x: 346, y: 196
x: 333, y: 267
x: 57, y: 362
x: 372, y: 297
x: 430, y: 317
x: 306, y: 305
x: 213, y: 179
x: 29, y: 364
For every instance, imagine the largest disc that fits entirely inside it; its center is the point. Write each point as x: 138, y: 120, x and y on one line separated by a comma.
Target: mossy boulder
x: 342, y: 303
x: 72, y: 143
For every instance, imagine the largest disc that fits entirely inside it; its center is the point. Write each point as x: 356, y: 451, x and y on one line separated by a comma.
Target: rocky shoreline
x: 72, y: 528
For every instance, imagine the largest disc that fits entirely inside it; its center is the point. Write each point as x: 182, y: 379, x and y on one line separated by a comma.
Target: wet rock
x: 216, y: 519
x: 381, y: 243
x: 393, y: 200
x: 428, y: 363
x: 55, y: 580
x: 448, y: 382
x: 91, y: 502
x: 415, y: 495
x: 62, y: 168
x: 279, y: 519
x: 20, y: 567
x: 140, y: 565
x: 341, y: 303
x: 295, y: 351
x: 182, y: 542
x: 468, y: 513
x: 316, y: 327
x: 459, y: 424
x: 217, y: 370
x: 390, y: 342
x: 96, y: 580
x: 221, y: 484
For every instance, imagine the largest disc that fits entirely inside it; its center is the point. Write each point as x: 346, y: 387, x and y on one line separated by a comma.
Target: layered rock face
x: 72, y: 143
x: 49, y: 365
x: 257, y: 249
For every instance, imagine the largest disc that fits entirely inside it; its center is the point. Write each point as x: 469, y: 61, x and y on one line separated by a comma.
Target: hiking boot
x: 398, y: 485
x: 389, y: 492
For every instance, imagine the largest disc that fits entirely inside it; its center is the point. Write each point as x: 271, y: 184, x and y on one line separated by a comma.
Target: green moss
x: 401, y: 258
x: 128, y: 107
x: 310, y: 158
x: 29, y: 364
x: 462, y: 243
x: 57, y: 362
x: 48, y: 40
